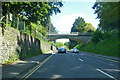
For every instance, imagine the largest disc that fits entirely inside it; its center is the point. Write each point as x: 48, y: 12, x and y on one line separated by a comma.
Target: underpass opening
x: 66, y: 40
x: 63, y: 40
x: 69, y: 43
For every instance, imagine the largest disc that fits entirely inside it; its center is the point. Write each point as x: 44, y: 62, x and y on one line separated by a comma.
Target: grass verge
x: 108, y: 46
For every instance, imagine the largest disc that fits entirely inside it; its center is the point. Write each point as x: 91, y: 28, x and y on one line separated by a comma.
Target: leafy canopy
x: 35, y: 14
x: 81, y: 26
x: 32, y: 11
x: 107, y: 12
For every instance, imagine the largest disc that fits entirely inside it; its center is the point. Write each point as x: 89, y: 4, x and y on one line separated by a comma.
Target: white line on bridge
x: 80, y: 59
x: 106, y: 74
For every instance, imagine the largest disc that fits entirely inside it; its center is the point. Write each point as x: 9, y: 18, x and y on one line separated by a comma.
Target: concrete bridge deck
x: 85, y: 38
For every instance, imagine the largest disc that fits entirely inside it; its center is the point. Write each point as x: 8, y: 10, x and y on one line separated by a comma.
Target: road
x: 75, y: 65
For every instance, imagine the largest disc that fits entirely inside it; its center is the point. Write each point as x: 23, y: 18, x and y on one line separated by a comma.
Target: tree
x: 107, y: 12
x: 78, y: 25
x: 33, y: 11
x: 59, y: 44
x: 36, y: 15
x: 67, y: 44
x: 97, y: 36
x: 88, y: 28
x: 51, y: 29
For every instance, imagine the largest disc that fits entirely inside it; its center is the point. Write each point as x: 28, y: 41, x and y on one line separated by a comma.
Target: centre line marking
x: 37, y: 67
x: 106, y: 74
x: 80, y: 59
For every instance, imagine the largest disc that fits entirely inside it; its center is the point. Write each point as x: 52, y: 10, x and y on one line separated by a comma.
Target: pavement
x: 20, y: 67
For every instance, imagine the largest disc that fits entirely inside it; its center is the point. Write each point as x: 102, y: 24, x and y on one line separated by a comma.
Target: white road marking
x: 81, y: 59
x: 106, y: 74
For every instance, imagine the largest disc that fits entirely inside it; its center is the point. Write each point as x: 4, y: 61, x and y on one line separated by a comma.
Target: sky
x: 69, y: 12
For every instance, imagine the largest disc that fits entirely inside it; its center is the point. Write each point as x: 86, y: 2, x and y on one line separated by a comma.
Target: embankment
x: 109, y: 46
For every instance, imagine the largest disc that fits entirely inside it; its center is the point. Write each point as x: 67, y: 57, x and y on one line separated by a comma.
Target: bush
x: 109, y: 46
x: 105, y: 35
x: 97, y: 36
x: 79, y: 45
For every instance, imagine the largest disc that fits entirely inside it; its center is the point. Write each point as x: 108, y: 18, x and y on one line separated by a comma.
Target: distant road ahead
x: 76, y: 65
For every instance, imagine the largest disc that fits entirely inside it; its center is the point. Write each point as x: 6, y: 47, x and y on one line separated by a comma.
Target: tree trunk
x: 17, y: 23
x: 24, y: 26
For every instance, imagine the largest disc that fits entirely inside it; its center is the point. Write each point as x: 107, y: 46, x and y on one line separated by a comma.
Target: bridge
x: 80, y: 37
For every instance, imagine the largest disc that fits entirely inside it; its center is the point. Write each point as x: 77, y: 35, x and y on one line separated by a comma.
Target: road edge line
x: 102, y: 56
x: 106, y: 74
x: 38, y: 66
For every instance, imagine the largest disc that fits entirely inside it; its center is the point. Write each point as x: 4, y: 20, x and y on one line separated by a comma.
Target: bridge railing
x: 74, y: 33
x: 51, y: 33
x: 78, y: 33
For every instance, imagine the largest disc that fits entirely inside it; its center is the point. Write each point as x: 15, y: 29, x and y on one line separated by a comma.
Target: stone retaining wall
x: 13, y: 41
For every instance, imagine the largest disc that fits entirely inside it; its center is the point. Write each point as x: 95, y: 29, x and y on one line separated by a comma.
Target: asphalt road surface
x: 75, y: 65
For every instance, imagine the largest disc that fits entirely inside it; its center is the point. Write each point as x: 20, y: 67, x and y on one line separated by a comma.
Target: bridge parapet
x: 80, y: 33
x: 72, y: 33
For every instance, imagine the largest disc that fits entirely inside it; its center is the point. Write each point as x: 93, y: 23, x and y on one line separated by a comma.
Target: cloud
x: 65, y: 22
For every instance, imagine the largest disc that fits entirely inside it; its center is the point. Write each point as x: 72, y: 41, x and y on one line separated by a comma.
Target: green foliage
x: 28, y: 52
x: 12, y: 58
x: 97, y: 36
x: 106, y: 34
x: 67, y: 44
x: 43, y: 51
x: 51, y: 29
x: 107, y: 12
x: 32, y: 11
x: 109, y: 46
x: 36, y: 15
x: 39, y: 28
x: 78, y: 25
x: 79, y: 45
x: 59, y: 44
x: 88, y: 28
